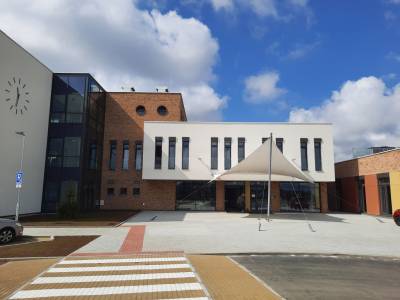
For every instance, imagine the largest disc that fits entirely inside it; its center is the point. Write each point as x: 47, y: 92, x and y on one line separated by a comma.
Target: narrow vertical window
x: 317, y: 154
x: 185, y: 153
x: 125, y: 155
x: 263, y: 140
x: 241, y: 149
x: 227, y: 153
x: 214, y: 153
x: 171, y: 153
x: 304, y: 156
x: 279, y: 143
x: 113, y: 155
x: 158, y: 153
x: 138, y: 155
x: 93, y: 156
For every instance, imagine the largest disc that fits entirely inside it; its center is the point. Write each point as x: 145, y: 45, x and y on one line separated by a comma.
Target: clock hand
x: 18, y: 95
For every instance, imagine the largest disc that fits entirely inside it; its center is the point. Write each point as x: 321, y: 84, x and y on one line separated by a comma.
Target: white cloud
x: 263, y: 8
x: 364, y: 112
x: 300, y: 3
x: 120, y: 44
x: 301, y: 50
x: 222, y: 4
x: 393, y: 55
x: 263, y: 87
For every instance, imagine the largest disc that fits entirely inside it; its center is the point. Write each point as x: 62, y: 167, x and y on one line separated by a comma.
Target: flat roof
x: 368, y: 155
x: 234, y: 123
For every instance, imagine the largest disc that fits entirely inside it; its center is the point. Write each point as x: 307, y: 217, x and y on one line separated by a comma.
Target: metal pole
x: 269, y: 175
x: 20, y: 169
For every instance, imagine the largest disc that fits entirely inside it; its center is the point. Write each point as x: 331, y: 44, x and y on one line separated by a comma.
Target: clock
x: 17, y: 96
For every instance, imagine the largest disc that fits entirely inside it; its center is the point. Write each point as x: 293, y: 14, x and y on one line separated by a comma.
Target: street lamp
x: 20, y: 133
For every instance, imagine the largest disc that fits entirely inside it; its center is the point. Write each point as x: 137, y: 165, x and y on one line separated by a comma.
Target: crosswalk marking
x: 121, y: 260
x: 105, y: 278
x: 118, y: 268
x: 135, y: 276
x: 115, y: 290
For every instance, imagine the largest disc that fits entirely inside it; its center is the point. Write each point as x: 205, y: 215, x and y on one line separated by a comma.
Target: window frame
x: 185, y: 154
x: 112, y: 155
x: 171, y: 152
x: 125, y: 155
x: 318, y: 154
x: 279, y: 144
x: 158, y: 153
x: 304, y: 159
x: 138, y: 149
x: 227, y: 153
x: 214, y: 158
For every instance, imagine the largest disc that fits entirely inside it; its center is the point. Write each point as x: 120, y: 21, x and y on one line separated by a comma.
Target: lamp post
x: 20, y: 133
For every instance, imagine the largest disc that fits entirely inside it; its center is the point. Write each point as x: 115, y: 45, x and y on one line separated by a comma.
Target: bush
x: 68, y: 210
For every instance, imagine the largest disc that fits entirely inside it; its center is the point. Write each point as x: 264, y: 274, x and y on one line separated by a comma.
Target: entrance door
x: 259, y: 196
x: 234, y: 196
x: 385, y: 198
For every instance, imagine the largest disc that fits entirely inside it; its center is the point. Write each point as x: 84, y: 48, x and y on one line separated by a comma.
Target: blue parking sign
x: 18, y: 180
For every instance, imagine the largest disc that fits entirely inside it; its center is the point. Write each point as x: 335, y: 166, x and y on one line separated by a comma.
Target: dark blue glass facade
x: 75, y: 142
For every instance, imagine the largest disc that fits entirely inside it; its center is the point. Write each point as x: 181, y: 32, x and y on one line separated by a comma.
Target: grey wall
x: 16, y: 63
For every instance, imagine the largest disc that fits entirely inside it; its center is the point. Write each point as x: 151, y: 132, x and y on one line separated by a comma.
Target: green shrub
x: 68, y: 210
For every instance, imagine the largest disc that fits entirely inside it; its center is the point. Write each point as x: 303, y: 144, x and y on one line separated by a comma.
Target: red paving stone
x: 133, y: 242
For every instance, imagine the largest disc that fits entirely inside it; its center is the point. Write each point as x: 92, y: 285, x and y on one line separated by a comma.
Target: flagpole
x: 269, y: 175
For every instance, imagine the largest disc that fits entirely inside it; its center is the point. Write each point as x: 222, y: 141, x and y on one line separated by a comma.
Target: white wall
x: 16, y: 62
x: 200, y: 146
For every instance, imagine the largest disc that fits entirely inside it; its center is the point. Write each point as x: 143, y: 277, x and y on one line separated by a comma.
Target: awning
x: 255, y: 167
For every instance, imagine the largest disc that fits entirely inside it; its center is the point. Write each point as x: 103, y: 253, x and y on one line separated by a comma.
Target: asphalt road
x: 326, y: 277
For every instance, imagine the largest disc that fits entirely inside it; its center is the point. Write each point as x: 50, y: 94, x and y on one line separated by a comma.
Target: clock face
x: 17, y: 96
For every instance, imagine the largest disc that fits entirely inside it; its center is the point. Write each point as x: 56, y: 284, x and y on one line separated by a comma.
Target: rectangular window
x: 263, y: 140
x: 113, y: 155
x: 241, y: 149
x: 93, y: 156
x: 279, y: 143
x: 54, y: 152
x: 171, y: 153
x: 185, y: 153
x: 138, y: 155
x: 227, y: 153
x: 110, y: 191
x: 72, y: 150
x: 304, y: 155
x: 136, y: 191
x: 125, y: 155
x: 214, y: 153
x: 158, y: 153
x: 318, y: 156
x: 123, y: 191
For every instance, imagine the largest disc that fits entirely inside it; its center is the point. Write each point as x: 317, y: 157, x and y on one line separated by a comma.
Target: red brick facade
x: 125, y: 124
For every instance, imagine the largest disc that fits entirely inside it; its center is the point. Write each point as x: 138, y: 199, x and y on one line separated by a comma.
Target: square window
x: 123, y: 191
x: 110, y: 191
x: 136, y: 191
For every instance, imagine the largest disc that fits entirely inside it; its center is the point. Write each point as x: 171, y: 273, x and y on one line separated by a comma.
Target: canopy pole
x: 269, y: 175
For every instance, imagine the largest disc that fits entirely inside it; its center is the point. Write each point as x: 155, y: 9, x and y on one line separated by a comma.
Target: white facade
x: 200, y: 135
x: 22, y: 74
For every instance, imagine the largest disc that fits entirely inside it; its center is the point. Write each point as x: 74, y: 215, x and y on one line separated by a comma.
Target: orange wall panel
x: 372, y: 194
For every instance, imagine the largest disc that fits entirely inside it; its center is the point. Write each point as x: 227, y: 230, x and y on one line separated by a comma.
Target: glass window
x: 58, y: 104
x: 317, y: 153
x: 77, y: 84
x: 195, y: 195
x: 241, y: 149
x: 263, y: 140
x: 138, y: 155
x: 93, y: 156
x: 136, y: 191
x: 69, y: 191
x: 304, y: 155
x: 113, y: 155
x: 140, y: 110
x: 300, y: 196
x: 214, y: 153
x: 54, y: 152
x: 123, y: 191
x: 51, y: 196
x: 158, y: 153
x: 227, y: 153
x: 162, y: 110
x: 171, y: 153
x: 74, y: 108
x: 125, y: 155
x: 279, y: 143
x: 72, y: 150
x: 185, y: 153
x: 110, y: 191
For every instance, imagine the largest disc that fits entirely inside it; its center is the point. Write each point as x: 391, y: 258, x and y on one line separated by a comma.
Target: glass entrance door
x: 234, y: 196
x: 259, y: 196
x: 384, y: 194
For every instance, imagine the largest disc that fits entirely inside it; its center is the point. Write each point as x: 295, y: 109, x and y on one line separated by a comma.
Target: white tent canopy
x: 255, y: 167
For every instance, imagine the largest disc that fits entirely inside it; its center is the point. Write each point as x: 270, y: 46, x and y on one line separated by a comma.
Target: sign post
x: 19, y: 174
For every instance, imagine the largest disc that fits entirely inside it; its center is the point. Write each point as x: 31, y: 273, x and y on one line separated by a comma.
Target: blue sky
x: 331, y: 61
x: 335, y: 41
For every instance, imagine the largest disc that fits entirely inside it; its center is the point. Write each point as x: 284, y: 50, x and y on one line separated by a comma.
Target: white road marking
x: 118, y: 268
x: 105, y: 278
x: 131, y: 289
x: 121, y: 260
x: 198, y: 298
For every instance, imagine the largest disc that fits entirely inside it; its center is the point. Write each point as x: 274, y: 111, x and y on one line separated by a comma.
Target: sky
x: 234, y: 60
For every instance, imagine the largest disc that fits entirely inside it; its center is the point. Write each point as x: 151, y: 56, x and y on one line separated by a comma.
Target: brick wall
x: 220, y: 196
x: 324, y: 197
x: 123, y: 123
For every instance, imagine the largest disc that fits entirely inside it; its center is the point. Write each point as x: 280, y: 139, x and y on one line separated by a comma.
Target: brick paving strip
x: 225, y: 279
x: 142, y: 276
